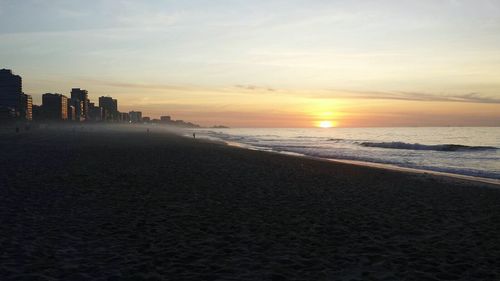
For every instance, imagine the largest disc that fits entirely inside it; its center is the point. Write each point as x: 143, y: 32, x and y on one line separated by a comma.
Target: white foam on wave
x: 472, y: 160
x: 418, y: 146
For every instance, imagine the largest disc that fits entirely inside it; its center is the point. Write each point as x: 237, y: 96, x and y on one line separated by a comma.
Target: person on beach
x: 194, y: 135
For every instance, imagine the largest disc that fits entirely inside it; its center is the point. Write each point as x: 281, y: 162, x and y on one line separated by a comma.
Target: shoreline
x: 495, y: 183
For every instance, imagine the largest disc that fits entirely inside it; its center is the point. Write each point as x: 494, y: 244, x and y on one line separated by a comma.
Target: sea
x: 471, y: 151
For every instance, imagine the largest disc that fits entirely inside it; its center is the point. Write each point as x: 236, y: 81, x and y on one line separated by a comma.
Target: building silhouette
x: 135, y: 116
x: 55, y: 107
x: 38, y: 112
x: 13, y: 102
x: 110, y: 108
x: 165, y: 119
x: 10, y: 89
x: 26, y: 107
x: 95, y: 113
x: 71, y: 112
x: 80, y: 100
x: 124, y: 117
x: 78, y: 106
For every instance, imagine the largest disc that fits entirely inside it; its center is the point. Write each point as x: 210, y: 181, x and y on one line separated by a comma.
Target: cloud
x: 254, y: 88
x: 175, y: 87
x: 328, y: 94
x: 411, y: 96
x: 138, y: 85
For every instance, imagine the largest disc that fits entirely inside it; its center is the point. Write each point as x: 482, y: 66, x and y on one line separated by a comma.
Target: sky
x: 266, y: 63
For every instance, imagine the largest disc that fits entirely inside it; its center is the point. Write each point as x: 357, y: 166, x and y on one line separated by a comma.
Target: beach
x: 96, y: 204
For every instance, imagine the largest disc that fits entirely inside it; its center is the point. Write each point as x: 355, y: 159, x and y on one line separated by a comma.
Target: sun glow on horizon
x: 326, y: 124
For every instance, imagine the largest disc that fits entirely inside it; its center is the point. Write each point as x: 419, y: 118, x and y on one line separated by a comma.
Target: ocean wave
x: 417, y: 146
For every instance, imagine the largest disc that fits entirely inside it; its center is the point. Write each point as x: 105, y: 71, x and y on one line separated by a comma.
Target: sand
x: 95, y: 205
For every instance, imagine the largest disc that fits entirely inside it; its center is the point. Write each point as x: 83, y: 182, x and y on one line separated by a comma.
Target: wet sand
x: 94, y: 205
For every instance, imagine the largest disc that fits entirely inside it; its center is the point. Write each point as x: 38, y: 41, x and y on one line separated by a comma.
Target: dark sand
x: 130, y: 206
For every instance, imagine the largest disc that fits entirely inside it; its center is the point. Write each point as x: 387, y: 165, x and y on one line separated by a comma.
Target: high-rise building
x: 135, y: 116
x: 38, y: 112
x: 79, y: 109
x: 124, y: 117
x: 13, y: 102
x: 55, y: 106
x: 80, y: 100
x: 72, y: 113
x: 165, y: 119
x: 26, y: 107
x: 10, y: 88
x: 110, y: 107
x: 95, y: 113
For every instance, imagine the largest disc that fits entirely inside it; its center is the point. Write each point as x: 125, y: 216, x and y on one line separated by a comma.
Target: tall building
x: 135, y: 116
x: 13, y: 102
x: 72, y: 113
x: 10, y: 89
x: 79, y: 109
x: 124, y: 117
x: 110, y: 108
x: 95, y: 113
x: 38, y: 112
x: 80, y: 100
x: 55, y: 106
x: 26, y: 107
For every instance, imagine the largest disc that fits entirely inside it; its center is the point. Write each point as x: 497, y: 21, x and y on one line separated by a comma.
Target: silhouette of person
x: 17, y: 129
x: 194, y: 135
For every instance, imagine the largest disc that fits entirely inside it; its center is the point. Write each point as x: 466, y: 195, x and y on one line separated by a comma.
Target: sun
x: 325, y: 124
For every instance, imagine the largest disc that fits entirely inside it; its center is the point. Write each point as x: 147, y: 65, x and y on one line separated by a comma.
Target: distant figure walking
x: 147, y: 130
x: 194, y: 135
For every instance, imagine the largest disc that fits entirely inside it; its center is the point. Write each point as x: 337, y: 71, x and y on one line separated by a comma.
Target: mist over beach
x: 122, y: 202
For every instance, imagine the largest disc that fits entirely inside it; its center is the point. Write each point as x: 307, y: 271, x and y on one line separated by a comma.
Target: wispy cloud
x: 119, y: 84
x: 321, y: 94
x: 178, y: 87
x: 410, y: 96
x: 255, y: 88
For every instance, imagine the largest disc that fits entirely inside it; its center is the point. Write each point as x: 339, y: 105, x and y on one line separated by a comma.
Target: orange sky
x: 252, y: 106
x: 266, y: 63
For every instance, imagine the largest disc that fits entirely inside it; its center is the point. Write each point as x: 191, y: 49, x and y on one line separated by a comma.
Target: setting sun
x: 326, y: 124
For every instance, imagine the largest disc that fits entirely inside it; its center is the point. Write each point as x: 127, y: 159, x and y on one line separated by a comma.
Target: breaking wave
x: 417, y: 146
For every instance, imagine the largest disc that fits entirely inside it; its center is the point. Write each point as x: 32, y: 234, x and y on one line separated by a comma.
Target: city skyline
x: 17, y: 107
x: 266, y: 64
